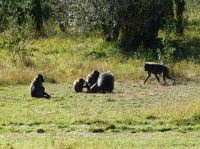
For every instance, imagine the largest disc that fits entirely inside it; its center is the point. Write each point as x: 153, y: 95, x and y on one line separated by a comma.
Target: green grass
x: 64, y: 60
x: 133, y: 116
x: 110, y: 140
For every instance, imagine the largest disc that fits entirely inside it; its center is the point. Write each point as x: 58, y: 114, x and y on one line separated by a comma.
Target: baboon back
x: 105, y: 82
x: 37, y: 89
x: 156, y: 68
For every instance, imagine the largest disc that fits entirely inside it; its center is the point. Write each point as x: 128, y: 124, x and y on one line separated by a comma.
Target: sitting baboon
x: 37, y: 89
x: 92, y: 78
x: 105, y: 84
x: 157, y: 69
x: 79, y: 85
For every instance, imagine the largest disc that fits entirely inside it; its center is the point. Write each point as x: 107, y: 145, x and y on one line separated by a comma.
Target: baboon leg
x: 169, y: 77
x: 164, y: 78
x: 47, y: 96
x: 149, y: 74
x: 157, y: 78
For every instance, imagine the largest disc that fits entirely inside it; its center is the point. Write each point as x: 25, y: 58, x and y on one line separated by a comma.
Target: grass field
x: 157, y: 116
x: 134, y: 116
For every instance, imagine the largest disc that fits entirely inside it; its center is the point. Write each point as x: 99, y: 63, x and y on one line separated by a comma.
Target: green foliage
x: 13, y: 12
x: 20, y: 12
x: 36, y: 12
x: 14, y: 42
x: 137, y: 21
x: 166, y: 55
x: 180, y: 8
x: 131, y: 22
x: 192, y: 4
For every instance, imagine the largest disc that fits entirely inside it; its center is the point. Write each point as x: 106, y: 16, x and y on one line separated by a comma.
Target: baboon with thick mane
x: 37, y: 90
x: 154, y: 68
x: 92, y: 78
x: 105, y: 84
x: 79, y: 85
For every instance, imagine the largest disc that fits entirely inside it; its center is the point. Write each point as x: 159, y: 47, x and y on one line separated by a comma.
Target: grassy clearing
x: 109, y: 140
x: 64, y: 60
x: 154, y: 116
x: 131, y: 117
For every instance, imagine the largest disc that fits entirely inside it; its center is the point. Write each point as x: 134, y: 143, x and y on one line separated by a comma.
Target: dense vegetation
x: 34, y: 41
x: 131, y: 22
x: 65, y: 40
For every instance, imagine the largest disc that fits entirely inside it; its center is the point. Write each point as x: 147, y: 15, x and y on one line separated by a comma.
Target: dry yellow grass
x: 64, y: 60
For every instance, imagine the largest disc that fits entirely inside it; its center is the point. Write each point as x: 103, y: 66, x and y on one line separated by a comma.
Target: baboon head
x: 146, y: 66
x: 79, y: 85
x: 81, y: 81
x: 40, y: 78
x: 92, y: 78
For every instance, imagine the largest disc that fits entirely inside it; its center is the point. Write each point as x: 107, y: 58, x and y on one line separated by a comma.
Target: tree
x: 37, y: 14
x: 141, y: 20
x: 180, y: 7
x: 135, y: 22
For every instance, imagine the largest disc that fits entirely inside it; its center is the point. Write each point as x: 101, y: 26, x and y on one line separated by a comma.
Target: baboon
x: 157, y: 69
x: 79, y: 85
x: 37, y: 89
x: 92, y: 78
x: 105, y: 84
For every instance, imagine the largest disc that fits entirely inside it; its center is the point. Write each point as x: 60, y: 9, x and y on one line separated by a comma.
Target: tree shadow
x: 187, y: 49
x: 147, y: 50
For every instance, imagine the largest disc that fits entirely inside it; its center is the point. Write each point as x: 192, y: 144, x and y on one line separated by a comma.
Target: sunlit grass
x: 80, y: 120
x: 134, y: 116
x: 64, y: 60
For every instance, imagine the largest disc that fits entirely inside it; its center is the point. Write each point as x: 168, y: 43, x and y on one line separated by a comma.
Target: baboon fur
x: 37, y: 90
x: 79, y: 85
x: 92, y: 78
x: 105, y: 84
x: 154, y: 68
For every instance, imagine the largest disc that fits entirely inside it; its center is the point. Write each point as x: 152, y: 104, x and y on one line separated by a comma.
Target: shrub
x: 14, y: 42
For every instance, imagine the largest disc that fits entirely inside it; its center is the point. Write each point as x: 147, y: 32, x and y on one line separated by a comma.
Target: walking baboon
x: 79, y: 85
x: 157, y: 69
x: 37, y: 89
x: 92, y: 78
x: 105, y: 84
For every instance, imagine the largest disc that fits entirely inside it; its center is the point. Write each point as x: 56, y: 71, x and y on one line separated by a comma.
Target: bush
x: 14, y: 42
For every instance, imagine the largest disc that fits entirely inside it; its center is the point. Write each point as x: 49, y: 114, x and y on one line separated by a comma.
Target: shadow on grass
x: 185, y: 49
x: 189, y: 49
